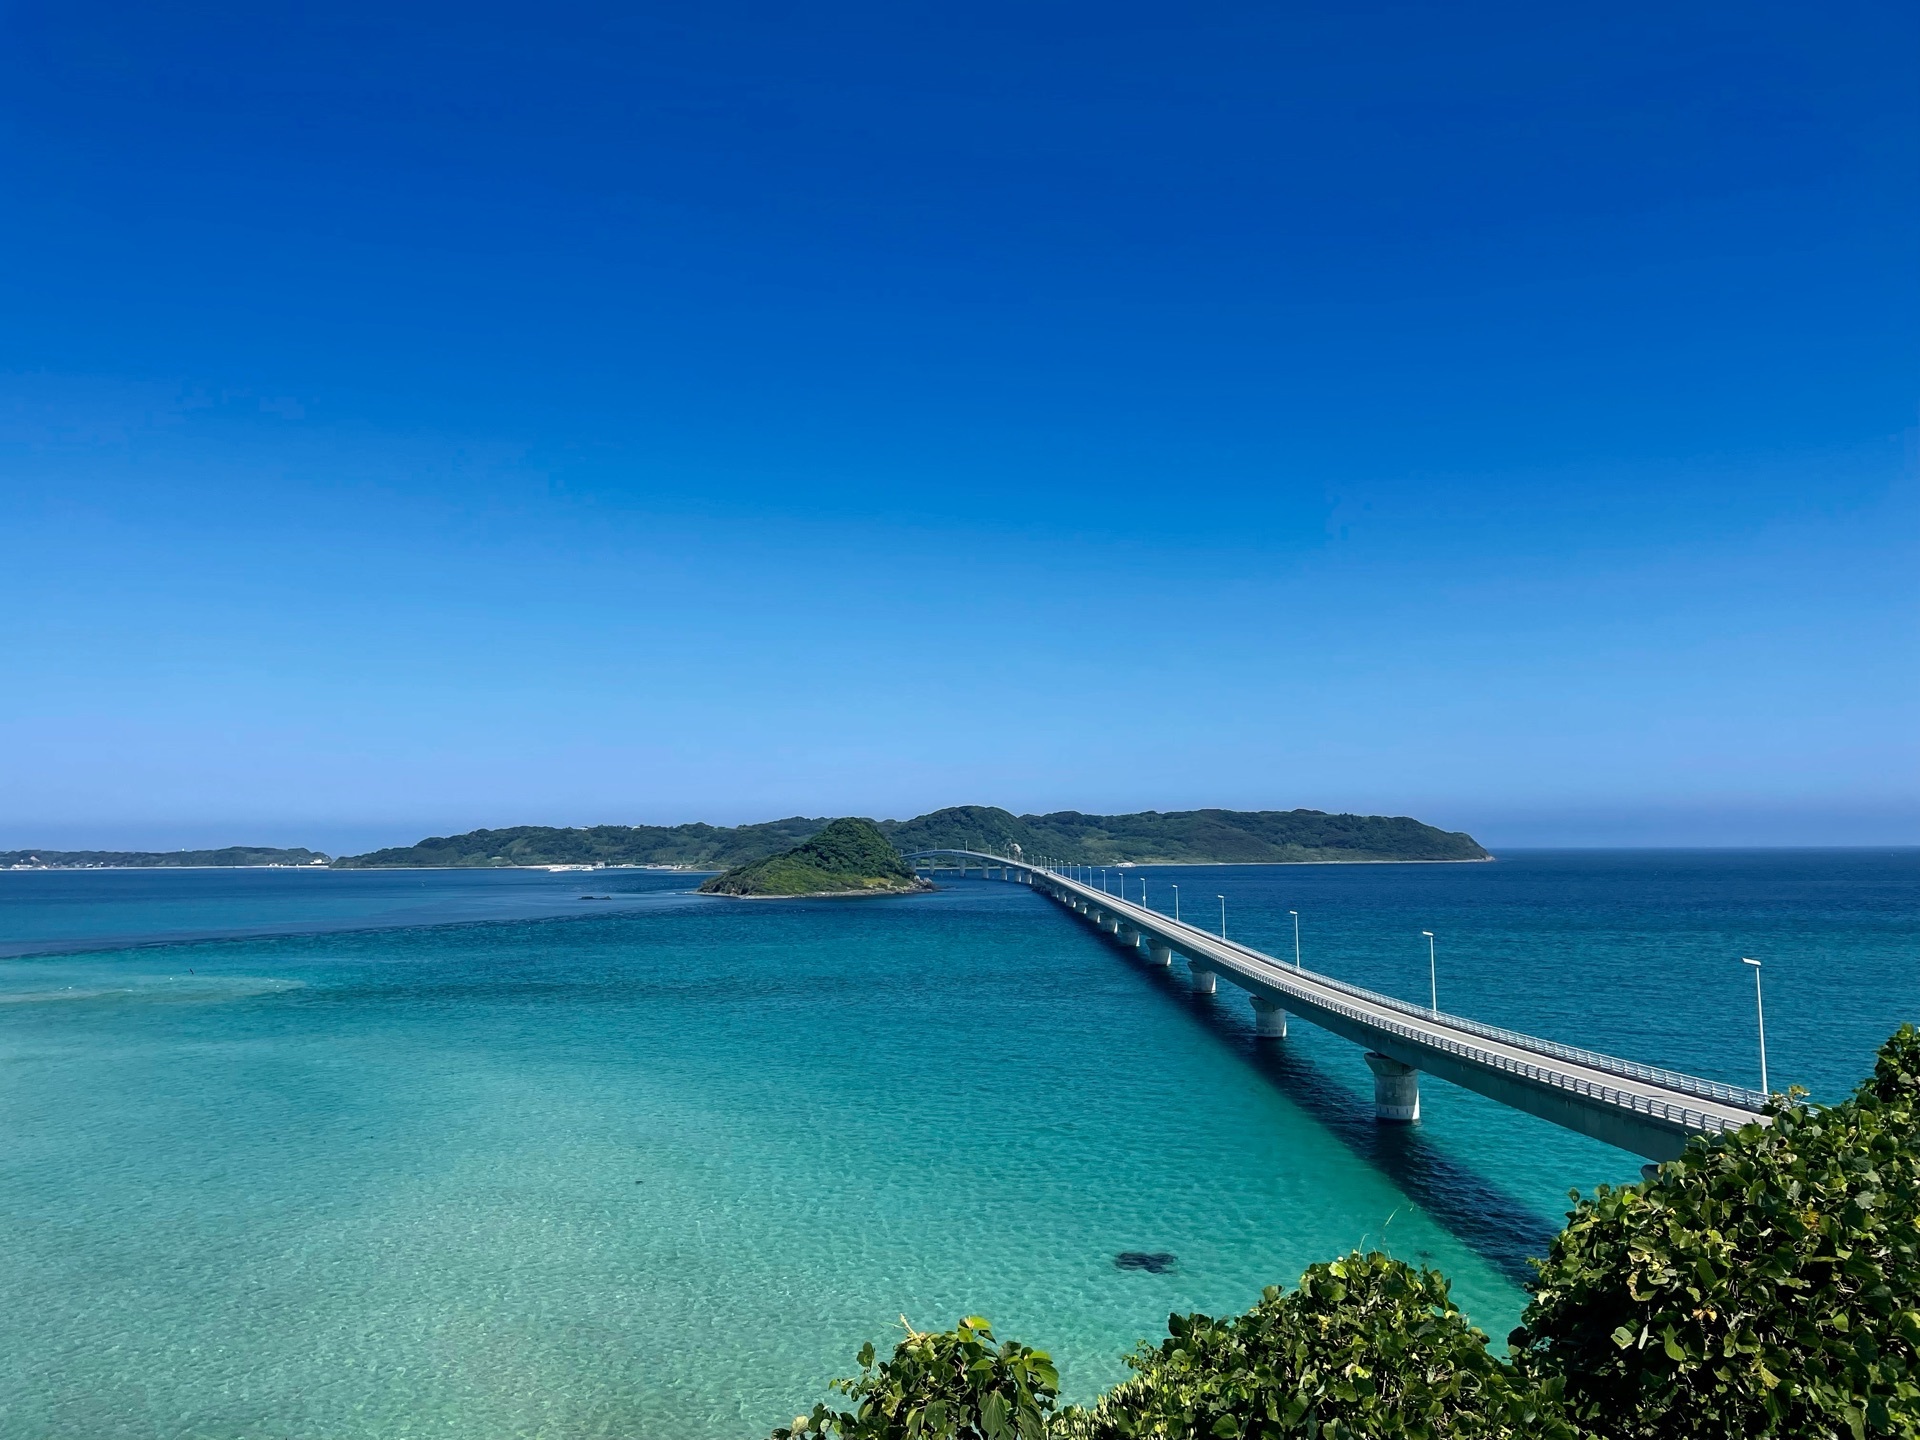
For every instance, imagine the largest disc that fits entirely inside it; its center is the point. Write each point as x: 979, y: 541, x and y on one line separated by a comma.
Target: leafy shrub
x: 1367, y: 1346
x: 955, y: 1385
x: 1767, y: 1283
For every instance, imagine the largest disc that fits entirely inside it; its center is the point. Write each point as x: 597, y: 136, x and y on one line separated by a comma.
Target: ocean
x: 317, y: 1155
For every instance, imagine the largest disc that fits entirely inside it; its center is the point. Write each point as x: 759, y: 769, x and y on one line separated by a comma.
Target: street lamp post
x: 1296, y: 937
x: 1433, y: 974
x: 1223, y: 915
x: 1176, y: 902
x: 1760, y: 1014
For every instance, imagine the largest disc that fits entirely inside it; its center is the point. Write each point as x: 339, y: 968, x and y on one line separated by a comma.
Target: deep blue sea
x: 318, y: 1155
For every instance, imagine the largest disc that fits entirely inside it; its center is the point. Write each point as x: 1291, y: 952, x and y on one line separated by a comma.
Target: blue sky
x: 420, y: 417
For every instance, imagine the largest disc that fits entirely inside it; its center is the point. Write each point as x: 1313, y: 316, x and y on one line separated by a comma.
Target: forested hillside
x: 696, y: 846
x: 849, y: 857
x: 1188, y: 836
x: 1181, y: 836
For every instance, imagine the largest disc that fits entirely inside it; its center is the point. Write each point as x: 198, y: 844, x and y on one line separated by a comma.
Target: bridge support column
x: 1396, y: 1090
x: 1269, y: 1020
x: 1160, y: 953
x: 1203, y: 981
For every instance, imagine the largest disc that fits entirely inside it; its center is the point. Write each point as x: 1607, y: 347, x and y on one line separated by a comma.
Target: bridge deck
x: 1642, y: 1108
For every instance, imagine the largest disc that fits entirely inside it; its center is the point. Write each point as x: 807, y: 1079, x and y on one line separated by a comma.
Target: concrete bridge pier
x: 1269, y: 1020
x: 1396, y: 1090
x: 1160, y: 952
x: 1203, y: 979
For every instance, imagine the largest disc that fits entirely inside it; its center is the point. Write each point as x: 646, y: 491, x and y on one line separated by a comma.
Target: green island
x: 1766, y: 1283
x: 848, y: 857
x: 1193, y: 837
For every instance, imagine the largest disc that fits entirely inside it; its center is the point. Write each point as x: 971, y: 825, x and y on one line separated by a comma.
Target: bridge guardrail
x: 1680, y: 1115
x: 1677, y: 1081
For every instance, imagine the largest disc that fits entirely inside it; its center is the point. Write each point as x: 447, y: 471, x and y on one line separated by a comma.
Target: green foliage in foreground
x: 1367, y: 1346
x: 958, y: 1385
x: 847, y: 855
x: 1765, y: 1284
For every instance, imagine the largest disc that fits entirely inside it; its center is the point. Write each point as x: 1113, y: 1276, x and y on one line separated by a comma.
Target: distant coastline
x: 229, y: 857
x: 1196, y: 837
x: 712, y: 870
x: 1181, y: 837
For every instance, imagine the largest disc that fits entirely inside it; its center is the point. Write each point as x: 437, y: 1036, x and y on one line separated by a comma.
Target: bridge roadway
x: 1641, y: 1108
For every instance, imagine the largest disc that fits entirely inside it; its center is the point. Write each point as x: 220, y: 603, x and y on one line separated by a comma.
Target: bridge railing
x: 1675, y: 1080
x: 1680, y: 1115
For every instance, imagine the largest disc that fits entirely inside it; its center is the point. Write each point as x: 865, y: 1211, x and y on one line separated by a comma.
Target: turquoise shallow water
x: 656, y: 1166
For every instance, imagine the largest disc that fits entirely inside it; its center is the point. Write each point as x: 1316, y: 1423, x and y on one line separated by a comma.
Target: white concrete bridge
x: 1642, y: 1108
